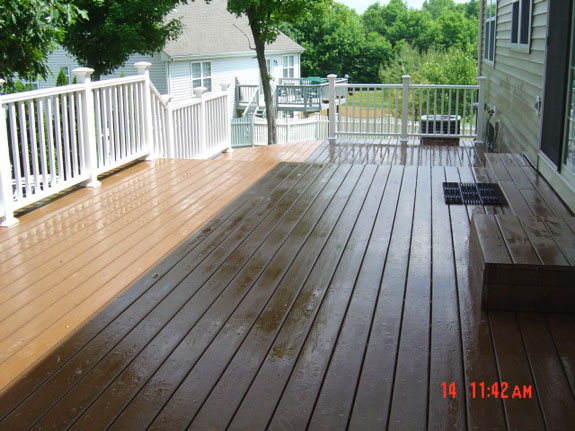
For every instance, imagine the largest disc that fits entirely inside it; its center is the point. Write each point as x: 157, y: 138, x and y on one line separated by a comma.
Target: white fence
x: 254, y: 130
x: 408, y: 110
x: 56, y: 138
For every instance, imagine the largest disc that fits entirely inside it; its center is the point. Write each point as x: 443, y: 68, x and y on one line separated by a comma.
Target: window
x: 490, y: 19
x: 520, y: 22
x: 202, y: 75
x: 288, y: 66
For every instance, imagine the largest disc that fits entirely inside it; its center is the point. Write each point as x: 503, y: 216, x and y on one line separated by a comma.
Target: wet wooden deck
x: 327, y: 296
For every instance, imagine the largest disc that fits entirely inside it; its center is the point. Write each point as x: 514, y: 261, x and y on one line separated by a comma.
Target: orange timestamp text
x: 499, y: 390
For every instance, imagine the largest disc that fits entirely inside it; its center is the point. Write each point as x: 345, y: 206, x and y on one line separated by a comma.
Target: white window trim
x: 486, y: 21
x: 202, y: 77
x: 518, y: 46
x: 292, y: 67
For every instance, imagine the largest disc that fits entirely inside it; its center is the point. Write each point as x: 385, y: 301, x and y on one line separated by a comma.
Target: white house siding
x: 60, y: 58
x: 515, y: 80
x: 224, y: 70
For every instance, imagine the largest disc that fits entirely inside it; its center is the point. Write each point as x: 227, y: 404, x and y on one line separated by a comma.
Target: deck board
x: 331, y: 294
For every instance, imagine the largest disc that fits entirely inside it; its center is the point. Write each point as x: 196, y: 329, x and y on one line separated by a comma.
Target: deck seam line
x: 531, y: 371
x: 405, y: 284
x: 341, y: 325
x: 569, y: 383
x: 458, y: 300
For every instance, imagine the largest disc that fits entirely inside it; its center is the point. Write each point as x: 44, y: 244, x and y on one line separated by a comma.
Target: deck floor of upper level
x: 331, y: 294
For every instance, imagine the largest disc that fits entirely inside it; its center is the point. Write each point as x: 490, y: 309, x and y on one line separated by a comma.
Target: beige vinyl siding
x: 515, y: 80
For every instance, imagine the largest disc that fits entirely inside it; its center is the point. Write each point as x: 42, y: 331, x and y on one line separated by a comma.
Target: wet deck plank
x: 328, y: 296
x: 66, y: 260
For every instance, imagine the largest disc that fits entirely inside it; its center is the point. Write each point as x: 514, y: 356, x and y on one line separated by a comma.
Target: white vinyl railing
x: 119, y: 121
x: 254, y: 131
x: 56, y: 138
x: 43, y: 149
x: 407, y: 110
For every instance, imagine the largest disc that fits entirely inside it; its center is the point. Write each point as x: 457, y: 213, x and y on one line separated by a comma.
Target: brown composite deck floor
x: 65, y: 260
x: 328, y: 296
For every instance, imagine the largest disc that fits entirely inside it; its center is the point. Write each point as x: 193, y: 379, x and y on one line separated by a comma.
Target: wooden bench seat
x: 524, y: 262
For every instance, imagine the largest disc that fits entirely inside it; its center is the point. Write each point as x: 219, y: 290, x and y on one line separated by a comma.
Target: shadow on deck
x: 331, y: 294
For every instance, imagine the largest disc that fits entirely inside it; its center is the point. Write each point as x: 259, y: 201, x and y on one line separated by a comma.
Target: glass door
x: 568, y: 168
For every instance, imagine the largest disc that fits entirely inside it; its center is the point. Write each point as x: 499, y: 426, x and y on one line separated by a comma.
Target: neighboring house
x: 526, y: 52
x: 214, y: 48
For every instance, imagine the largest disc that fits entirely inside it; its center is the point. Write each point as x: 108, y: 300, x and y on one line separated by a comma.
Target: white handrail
x: 118, y: 81
x: 408, y: 110
x: 56, y: 138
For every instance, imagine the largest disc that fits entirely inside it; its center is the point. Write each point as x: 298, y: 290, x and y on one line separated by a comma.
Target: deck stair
x: 523, y: 258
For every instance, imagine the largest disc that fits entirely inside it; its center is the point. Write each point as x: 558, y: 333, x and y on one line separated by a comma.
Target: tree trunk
x: 270, y: 108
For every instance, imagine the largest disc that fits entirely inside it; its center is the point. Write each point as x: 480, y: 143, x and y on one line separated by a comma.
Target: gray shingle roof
x: 209, y: 29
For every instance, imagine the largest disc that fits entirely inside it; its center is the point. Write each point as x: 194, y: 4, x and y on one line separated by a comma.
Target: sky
x: 361, y: 5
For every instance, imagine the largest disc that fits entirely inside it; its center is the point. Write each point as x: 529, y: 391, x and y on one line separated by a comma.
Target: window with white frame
x: 490, y: 20
x: 521, y: 22
x: 202, y: 75
x: 288, y: 66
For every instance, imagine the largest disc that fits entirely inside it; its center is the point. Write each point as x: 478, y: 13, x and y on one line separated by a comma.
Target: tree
x: 112, y: 30
x: 265, y: 17
x: 335, y: 41
x: 28, y: 32
x: 62, y: 78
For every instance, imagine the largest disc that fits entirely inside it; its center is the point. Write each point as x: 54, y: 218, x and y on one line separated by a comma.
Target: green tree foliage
x: 265, y: 18
x: 62, y: 78
x: 335, y: 41
x: 454, y: 66
x: 112, y: 30
x: 29, y: 30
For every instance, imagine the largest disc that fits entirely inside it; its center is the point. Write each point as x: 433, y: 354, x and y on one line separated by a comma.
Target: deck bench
x: 523, y: 263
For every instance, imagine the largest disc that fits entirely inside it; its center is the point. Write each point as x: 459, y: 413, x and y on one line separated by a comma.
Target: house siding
x: 224, y: 71
x: 61, y: 58
x: 516, y: 80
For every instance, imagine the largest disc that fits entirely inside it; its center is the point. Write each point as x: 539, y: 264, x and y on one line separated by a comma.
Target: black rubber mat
x: 471, y: 194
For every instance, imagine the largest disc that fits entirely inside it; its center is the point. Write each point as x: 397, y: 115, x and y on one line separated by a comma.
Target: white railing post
x: 143, y: 68
x: 83, y: 76
x: 6, y: 199
x: 404, y: 107
x: 287, y: 129
x: 480, y: 131
x: 331, y: 128
x: 170, y: 144
x: 225, y: 87
x: 199, y: 92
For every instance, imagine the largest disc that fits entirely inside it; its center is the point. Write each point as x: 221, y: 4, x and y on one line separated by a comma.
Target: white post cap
x: 199, y: 91
x: 142, y: 66
x: 82, y: 73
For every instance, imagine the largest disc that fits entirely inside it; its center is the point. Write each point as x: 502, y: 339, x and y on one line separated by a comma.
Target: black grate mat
x: 471, y: 193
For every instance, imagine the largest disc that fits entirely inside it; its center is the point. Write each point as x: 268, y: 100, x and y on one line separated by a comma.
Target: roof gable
x: 209, y: 29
